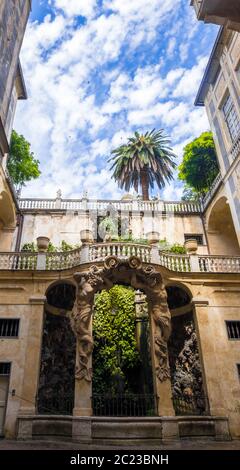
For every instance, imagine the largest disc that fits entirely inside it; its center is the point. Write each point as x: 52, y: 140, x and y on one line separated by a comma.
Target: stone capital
x: 200, y: 302
x: 37, y: 299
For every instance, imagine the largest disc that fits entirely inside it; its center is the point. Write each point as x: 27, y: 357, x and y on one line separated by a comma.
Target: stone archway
x: 58, y: 352
x: 222, y: 236
x: 7, y: 221
x: 189, y: 395
x: 146, y: 278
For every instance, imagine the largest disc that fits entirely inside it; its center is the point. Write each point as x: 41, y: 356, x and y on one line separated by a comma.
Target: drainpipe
x: 20, y: 229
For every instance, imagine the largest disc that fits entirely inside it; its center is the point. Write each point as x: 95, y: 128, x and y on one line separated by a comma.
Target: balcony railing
x: 179, y: 207
x: 101, y: 251
x: 235, y: 150
x: 97, y: 253
x: 212, y: 191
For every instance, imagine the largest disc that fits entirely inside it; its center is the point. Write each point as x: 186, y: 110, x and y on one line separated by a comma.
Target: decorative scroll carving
x: 137, y: 276
x: 153, y: 286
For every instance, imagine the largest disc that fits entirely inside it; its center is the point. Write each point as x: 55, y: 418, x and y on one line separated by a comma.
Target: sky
x: 98, y: 70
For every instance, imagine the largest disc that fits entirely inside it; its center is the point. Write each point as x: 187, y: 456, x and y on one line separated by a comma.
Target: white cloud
x: 91, y: 84
x: 84, y: 8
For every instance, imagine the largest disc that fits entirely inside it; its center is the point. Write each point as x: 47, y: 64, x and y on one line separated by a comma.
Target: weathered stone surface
x: 13, y: 19
x: 186, y: 374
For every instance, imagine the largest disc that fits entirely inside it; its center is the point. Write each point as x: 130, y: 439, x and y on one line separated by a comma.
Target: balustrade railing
x: 64, y: 260
x: 99, y: 252
x: 179, y: 263
x: 219, y: 264
x: 182, y: 207
x: 212, y: 191
x: 235, y: 150
x: 18, y: 261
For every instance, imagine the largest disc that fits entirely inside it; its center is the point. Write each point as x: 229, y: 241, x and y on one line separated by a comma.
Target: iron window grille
x: 231, y: 118
x: 5, y: 368
x: 233, y: 329
x: 9, y: 327
x: 197, y: 236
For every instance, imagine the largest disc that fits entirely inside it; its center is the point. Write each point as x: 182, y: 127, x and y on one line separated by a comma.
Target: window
x: 233, y: 329
x: 197, y: 236
x: 5, y: 368
x: 9, y: 327
x: 231, y: 118
x: 238, y: 369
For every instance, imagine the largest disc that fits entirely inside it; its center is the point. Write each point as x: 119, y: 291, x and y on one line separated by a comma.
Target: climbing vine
x: 115, y: 357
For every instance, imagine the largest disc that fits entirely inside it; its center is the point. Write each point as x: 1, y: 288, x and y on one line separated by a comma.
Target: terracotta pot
x: 153, y: 237
x: 42, y: 243
x: 191, y: 246
x: 86, y: 236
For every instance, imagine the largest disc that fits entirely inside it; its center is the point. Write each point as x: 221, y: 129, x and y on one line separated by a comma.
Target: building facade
x: 47, y: 298
x: 13, y: 19
x: 218, y: 12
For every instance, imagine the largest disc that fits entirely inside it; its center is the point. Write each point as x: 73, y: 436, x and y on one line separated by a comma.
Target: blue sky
x: 96, y: 71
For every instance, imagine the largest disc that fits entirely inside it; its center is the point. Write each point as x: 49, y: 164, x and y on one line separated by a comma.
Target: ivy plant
x: 115, y: 353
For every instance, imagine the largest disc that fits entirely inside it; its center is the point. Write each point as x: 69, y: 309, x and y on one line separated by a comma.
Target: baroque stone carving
x: 187, y: 383
x: 139, y: 277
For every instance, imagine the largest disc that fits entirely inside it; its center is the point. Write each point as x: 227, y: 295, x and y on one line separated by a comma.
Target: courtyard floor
x: 184, y: 444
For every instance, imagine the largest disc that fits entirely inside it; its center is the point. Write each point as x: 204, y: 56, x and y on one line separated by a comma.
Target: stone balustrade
x: 219, y: 264
x: 178, y: 207
x: 93, y: 253
x: 235, y: 150
x: 101, y: 251
x: 212, y: 191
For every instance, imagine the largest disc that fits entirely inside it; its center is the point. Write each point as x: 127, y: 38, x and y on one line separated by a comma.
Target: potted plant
x: 43, y: 243
x: 153, y: 237
x: 191, y: 246
x: 86, y: 236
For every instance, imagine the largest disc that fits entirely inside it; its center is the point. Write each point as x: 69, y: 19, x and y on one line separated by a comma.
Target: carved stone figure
x: 96, y: 279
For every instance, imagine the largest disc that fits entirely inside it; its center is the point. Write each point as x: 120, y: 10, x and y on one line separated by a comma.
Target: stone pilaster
x: 212, y: 386
x: 162, y: 387
x: 32, y: 356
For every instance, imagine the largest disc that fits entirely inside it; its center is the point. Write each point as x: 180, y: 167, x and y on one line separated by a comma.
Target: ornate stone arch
x: 133, y: 272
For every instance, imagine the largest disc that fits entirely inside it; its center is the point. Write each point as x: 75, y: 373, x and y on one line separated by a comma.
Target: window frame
x: 228, y: 337
x: 18, y: 328
x: 8, y: 363
x: 231, y: 117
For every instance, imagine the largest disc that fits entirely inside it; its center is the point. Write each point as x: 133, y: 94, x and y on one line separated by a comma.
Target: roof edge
x: 199, y: 101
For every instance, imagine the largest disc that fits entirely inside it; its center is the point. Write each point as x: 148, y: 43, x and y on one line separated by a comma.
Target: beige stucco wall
x: 67, y: 226
x: 221, y: 355
x: 215, y: 299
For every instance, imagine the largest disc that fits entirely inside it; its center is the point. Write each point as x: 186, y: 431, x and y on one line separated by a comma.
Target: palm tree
x: 145, y: 159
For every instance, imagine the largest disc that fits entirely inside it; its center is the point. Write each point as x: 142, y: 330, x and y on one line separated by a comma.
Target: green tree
x: 22, y: 165
x: 199, y: 167
x: 145, y: 159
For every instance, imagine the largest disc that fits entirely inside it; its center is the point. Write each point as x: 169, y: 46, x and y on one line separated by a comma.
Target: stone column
x: 161, y: 381
x: 207, y: 350
x: 32, y: 356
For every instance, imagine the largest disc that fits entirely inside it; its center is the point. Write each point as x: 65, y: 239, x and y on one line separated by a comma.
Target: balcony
x: 218, y: 12
x: 98, y: 253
